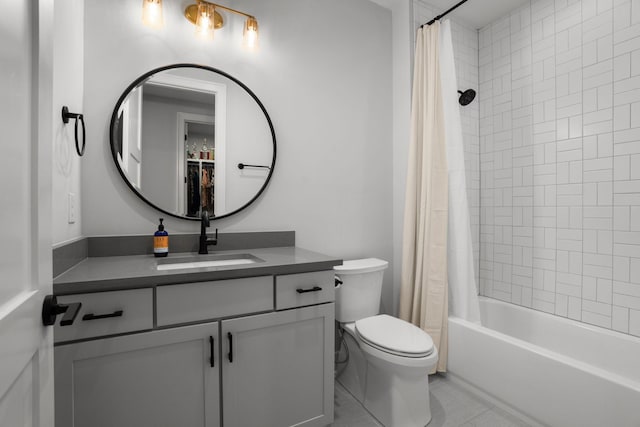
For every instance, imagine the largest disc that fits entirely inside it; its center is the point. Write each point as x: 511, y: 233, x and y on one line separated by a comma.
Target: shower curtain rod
x: 437, y: 18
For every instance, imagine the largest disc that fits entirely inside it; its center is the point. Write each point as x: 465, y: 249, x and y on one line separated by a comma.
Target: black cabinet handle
x: 230, y: 338
x: 314, y: 289
x: 211, y: 347
x: 51, y: 308
x: 91, y: 316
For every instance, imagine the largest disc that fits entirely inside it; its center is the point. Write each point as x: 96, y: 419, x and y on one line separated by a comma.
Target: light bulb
x: 152, y: 14
x: 205, y: 21
x: 250, y: 34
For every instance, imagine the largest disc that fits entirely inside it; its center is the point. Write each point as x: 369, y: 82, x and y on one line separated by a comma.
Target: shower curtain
x: 463, y: 293
x: 437, y: 249
x: 423, y: 288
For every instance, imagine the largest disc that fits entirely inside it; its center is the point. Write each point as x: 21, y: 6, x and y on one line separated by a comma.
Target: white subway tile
x: 635, y: 12
x: 590, y: 147
x: 634, y: 272
x: 605, y: 48
x: 634, y: 315
x: 562, y: 305
x: 634, y: 219
x: 575, y: 262
x: 635, y: 166
x: 575, y: 308
x: 590, y: 193
x: 622, y: 67
x: 598, y: 128
x: 605, y: 145
x: 635, y: 115
x: 576, y: 215
x: 620, y: 319
x: 597, y: 307
x: 575, y: 172
x: 626, y: 46
x: 562, y: 128
x: 630, y: 186
x: 605, y: 242
x: 626, y: 34
x: 626, y: 301
x: 605, y: 192
x: 598, y: 164
x: 626, y: 85
x: 629, y: 135
x: 596, y: 319
x: 590, y: 99
x: 621, y: 269
x: 589, y: 288
x: 623, y: 249
x: 622, y: 117
x: 622, y: 218
x: 590, y: 240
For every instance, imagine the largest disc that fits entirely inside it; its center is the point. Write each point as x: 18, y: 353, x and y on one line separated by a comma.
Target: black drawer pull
x: 92, y: 316
x: 304, y: 291
x: 230, y: 338
x: 211, y: 345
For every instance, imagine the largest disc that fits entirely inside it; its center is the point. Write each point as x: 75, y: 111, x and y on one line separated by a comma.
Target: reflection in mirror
x: 178, y: 134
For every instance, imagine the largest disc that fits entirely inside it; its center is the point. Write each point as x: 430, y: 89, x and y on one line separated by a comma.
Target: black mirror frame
x: 145, y: 76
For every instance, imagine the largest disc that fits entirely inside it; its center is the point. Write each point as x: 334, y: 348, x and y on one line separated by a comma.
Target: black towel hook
x: 66, y: 115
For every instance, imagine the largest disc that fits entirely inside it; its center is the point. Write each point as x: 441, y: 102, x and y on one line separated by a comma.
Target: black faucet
x: 204, y: 240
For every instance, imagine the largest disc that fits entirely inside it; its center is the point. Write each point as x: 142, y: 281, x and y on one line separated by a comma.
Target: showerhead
x: 466, y: 97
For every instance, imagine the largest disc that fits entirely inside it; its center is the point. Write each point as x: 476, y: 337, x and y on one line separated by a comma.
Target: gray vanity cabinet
x: 277, y: 368
x: 245, y: 352
x: 161, y: 378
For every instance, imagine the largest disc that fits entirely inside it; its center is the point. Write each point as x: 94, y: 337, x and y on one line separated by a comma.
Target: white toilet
x: 388, y: 359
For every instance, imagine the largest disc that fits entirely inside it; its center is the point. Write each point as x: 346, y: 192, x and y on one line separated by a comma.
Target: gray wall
x: 327, y: 85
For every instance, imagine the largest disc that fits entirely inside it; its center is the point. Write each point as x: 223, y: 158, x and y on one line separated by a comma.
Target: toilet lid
x: 395, y: 336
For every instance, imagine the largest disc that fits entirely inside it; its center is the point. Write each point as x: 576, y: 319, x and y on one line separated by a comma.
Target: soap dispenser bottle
x: 161, y: 241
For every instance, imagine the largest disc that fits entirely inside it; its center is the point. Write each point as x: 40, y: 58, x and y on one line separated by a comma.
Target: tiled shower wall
x: 560, y: 160
x: 465, y: 47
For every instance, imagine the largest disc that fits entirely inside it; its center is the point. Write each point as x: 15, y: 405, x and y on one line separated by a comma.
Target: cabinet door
x: 154, y: 379
x: 277, y: 368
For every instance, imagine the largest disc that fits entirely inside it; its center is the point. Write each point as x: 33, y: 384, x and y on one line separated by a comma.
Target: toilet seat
x: 394, y: 336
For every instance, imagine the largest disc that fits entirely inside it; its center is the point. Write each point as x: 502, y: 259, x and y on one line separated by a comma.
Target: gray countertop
x: 139, y: 271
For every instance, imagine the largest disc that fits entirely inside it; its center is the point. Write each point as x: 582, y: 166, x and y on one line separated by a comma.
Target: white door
x: 26, y: 353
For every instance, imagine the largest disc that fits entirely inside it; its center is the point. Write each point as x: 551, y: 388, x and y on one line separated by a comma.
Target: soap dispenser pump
x: 161, y: 241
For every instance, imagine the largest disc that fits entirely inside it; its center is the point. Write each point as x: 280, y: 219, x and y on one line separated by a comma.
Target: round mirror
x: 190, y: 138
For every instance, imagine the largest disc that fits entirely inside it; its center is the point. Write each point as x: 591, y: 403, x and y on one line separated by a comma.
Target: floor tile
x: 451, y: 406
x: 495, y: 418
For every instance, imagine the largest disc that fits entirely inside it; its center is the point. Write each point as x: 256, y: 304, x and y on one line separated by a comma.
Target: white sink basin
x: 206, y: 261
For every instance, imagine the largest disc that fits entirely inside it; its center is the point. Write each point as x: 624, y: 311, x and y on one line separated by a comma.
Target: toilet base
x: 395, y: 397
x: 397, y: 401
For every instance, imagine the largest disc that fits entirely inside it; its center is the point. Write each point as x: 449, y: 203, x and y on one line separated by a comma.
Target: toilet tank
x: 359, y: 294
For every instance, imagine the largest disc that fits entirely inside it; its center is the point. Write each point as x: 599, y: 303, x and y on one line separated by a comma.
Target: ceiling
x: 477, y: 13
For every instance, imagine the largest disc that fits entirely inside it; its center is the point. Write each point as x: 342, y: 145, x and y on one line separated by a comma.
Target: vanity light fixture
x: 152, y: 13
x: 204, y: 15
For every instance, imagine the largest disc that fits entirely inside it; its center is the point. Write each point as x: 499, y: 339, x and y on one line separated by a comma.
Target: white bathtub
x: 557, y: 371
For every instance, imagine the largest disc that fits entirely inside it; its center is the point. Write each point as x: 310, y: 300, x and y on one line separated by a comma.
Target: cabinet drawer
x: 194, y: 302
x: 295, y: 290
x: 100, y: 314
